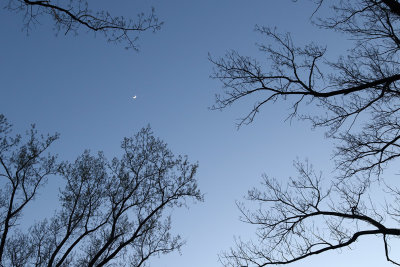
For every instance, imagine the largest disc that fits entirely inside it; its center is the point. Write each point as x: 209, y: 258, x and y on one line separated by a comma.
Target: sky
x: 82, y: 87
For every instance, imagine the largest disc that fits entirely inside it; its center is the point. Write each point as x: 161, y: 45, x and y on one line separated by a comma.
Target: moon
x: 134, y: 97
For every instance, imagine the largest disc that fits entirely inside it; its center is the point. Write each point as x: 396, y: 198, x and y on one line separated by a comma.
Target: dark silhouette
x: 359, y: 97
x: 24, y: 169
x: 75, y: 14
x: 111, y: 212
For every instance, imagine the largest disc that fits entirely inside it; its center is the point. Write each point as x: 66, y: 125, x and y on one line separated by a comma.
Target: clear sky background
x: 82, y: 87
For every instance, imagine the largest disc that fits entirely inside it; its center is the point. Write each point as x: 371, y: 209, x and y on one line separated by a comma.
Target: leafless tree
x: 112, y: 213
x: 359, y: 96
x: 74, y: 15
x: 307, y: 216
x: 23, y: 170
x: 365, y: 82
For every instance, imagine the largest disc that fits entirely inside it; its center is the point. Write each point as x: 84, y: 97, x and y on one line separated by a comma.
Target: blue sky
x: 82, y: 87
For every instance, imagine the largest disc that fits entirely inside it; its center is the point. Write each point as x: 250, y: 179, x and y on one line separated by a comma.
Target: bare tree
x: 306, y: 217
x: 74, y: 15
x: 359, y: 95
x: 365, y: 82
x: 111, y: 212
x: 23, y: 170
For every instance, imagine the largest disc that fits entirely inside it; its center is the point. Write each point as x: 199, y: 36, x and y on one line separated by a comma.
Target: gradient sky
x: 82, y: 87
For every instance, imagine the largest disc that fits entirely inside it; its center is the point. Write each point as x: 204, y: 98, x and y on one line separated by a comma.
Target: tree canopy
x: 111, y: 212
x: 358, y: 98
